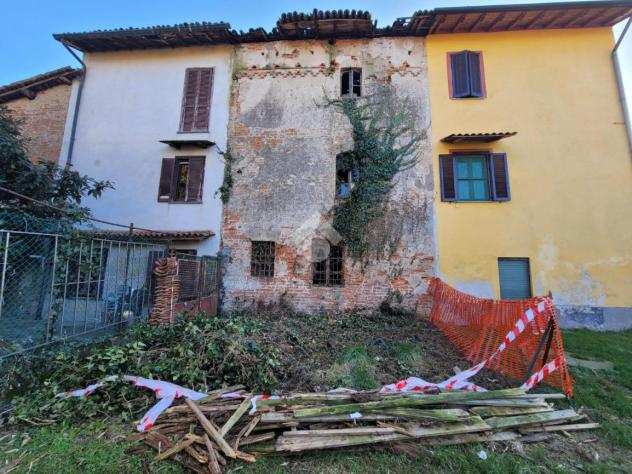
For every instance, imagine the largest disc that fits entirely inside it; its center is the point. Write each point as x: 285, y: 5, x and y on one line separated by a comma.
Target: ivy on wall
x: 227, y: 182
x: 385, y: 141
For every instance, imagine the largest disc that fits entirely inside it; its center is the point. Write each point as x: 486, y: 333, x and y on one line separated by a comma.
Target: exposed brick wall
x: 285, y: 145
x: 43, y: 121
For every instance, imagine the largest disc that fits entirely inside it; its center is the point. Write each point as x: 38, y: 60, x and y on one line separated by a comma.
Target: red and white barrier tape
x: 542, y: 373
x: 166, y: 393
x: 460, y: 380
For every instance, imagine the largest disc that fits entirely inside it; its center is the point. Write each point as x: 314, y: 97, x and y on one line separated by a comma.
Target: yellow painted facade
x: 569, y: 166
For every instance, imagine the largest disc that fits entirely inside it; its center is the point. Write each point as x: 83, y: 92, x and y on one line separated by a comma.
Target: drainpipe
x: 73, y: 130
x: 619, y: 76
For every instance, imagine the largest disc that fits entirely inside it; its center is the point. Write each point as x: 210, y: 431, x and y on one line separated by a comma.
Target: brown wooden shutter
x: 460, y: 74
x: 195, y: 183
x: 166, y: 178
x: 196, y: 100
x: 203, y: 104
x: 189, y: 100
x: 500, y: 177
x: 446, y: 170
x: 476, y: 74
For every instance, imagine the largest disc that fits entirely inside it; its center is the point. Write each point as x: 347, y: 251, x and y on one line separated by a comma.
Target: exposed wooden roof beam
x: 437, y: 23
x: 580, y: 16
x: 534, y: 20
x: 497, y: 20
x: 519, y: 17
x: 594, y: 17
x: 457, y: 23
x: 478, y: 20
x: 613, y: 17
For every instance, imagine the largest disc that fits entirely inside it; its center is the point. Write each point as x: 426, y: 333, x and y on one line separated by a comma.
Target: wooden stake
x: 213, y: 463
x: 176, y: 449
x: 210, y: 429
x: 245, y: 405
x: 407, y: 401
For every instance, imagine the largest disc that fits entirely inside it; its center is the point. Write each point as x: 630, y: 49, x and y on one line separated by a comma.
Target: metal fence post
x: 49, y: 332
x: 4, y: 272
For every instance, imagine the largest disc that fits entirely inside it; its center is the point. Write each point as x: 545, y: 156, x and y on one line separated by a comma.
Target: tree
x: 60, y: 187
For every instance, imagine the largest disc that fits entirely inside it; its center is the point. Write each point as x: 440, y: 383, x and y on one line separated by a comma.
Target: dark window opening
x: 330, y: 271
x: 262, y: 259
x: 181, y: 179
x: 474, y: 177
x: 514, y: 276
x: 346, y: 175
x: 466, y: 75
x: 351, y: 82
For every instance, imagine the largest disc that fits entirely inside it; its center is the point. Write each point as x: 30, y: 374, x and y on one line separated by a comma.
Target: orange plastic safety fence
x: 477, y: 326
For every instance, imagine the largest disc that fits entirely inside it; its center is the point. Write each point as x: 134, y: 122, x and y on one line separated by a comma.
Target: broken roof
x: 31, y: 86
x: 333, y: 24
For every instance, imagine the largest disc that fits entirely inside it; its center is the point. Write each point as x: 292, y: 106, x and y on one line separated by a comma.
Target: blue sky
x: 27, y: 47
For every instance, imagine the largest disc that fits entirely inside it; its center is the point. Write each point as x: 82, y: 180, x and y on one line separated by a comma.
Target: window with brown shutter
x: 181, y: 179
x: 196, y: 100
x: 474, y: 177
x: 465, y: 75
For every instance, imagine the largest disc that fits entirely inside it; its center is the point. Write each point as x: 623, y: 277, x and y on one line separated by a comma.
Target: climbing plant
x: 227, y: 183
x: 385, y: 141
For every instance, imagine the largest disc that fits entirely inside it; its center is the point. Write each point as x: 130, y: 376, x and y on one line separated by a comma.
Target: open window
x: 465, y: 75
x: 181, y: 179
x: 351, y: 82
x: 347, y: 174
x: 329, y: 270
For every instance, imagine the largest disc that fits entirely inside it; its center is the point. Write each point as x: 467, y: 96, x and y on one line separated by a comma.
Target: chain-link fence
x: 54, y: 286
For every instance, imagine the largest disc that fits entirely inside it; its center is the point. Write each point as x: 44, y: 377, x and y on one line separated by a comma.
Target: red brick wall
x: 43, y: 121
x: 285, y: 144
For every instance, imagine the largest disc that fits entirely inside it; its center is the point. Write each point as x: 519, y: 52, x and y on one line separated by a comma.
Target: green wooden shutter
x: 515, y: 278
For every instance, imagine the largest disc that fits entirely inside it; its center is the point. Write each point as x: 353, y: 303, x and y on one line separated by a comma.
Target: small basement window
x: 514, y: 276
x: 351, y: 82
x: 262, y: 259
x: 329, y: 271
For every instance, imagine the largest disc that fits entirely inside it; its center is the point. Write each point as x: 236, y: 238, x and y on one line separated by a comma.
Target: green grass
x: 96, y: 447
x: 606, y: 393
x: 100, y: 447
x: 354, y: 368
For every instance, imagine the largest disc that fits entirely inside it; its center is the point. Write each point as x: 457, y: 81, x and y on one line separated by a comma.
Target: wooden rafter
x: 457, y: 23
x: 513, y: 22
x: 535, y: 19
x: 594, y: 17
x: 476, y: 22
x: 496, y: 21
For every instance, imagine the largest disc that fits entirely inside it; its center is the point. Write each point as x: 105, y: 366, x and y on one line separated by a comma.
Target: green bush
x: 202, y: 354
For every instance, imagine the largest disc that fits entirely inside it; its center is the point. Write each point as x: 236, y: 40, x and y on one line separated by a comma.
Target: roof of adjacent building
x: 359, y: 24
x: 153, y: 234
x: 31, y: 86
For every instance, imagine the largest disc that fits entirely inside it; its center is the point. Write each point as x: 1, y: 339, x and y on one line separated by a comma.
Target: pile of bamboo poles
x: 167, y: 291
x: 203, y: 435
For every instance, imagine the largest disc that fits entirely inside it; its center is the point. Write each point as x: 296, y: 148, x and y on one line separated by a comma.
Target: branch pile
x: 204, y: 435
